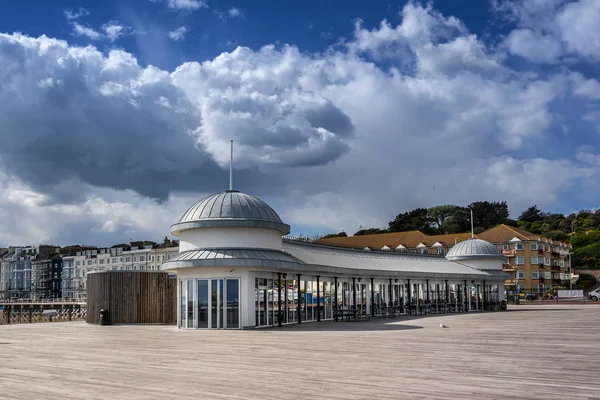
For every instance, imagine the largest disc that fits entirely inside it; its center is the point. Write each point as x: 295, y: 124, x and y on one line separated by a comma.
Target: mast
x: 231, y: 168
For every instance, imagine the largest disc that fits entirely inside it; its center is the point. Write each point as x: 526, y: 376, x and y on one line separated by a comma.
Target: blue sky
x: 311, y: 25
x: 116, y: 115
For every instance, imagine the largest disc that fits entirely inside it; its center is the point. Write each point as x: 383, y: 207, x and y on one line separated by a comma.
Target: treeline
x: 445, y: 219
x: 581, y: 229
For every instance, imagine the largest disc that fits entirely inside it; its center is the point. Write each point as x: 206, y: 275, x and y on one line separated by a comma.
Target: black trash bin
x: 104, y: 317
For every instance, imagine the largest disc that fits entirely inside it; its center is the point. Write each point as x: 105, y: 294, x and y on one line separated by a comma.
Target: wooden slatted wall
x: 132, y: 297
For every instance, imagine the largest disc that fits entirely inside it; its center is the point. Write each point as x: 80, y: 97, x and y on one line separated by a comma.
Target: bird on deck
x: 443, y: 326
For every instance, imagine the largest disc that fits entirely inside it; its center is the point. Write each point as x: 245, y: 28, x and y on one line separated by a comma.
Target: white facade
x: 239, y: 237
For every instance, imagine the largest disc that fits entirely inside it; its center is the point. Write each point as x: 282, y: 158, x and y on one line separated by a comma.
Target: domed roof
x: 230, y: 209
x: 474, y: 248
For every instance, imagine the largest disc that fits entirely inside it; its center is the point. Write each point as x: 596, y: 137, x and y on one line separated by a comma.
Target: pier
x: 534, y: 352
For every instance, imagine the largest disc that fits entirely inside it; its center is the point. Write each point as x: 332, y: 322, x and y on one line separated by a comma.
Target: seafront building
x: 48, y: 272
x: 235, y: 271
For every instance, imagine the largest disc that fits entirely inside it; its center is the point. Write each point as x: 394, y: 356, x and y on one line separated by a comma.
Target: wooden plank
x: 132, y: 297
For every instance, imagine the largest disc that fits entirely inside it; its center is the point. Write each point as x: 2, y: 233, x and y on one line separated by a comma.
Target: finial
x: 231, y: 168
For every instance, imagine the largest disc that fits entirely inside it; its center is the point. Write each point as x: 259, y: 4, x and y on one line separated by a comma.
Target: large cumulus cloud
x: 75, y: 114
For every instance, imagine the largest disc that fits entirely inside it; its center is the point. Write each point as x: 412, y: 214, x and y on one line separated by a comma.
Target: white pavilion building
x: 235, y: 270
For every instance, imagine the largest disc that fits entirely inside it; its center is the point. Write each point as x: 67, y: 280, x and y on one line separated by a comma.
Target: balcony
x: 556, y: 281
x: 541, y: 266
x: 554, y: 254
x: 555, y: 268
x: 508, y: 268
x: 509, y: 253
x: 541, y: 279
x: 541, y: 251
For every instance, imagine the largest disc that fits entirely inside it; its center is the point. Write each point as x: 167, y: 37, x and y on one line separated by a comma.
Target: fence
x: 32, y: 314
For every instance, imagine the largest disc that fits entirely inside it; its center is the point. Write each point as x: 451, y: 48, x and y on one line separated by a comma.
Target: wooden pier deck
x: 528, y: 352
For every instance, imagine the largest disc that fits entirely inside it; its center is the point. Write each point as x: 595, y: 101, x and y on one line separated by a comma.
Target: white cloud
x: 234, y: 12
x: 72, y: 15
x: 578, y: 23
x: 113, y: 30
x: 534, y: 46
x: 586, y: 88
x: 81, y: 30
x: 334, y: 139
x: 553, y: 25
x: 178, y: 34
x: 189, y: 5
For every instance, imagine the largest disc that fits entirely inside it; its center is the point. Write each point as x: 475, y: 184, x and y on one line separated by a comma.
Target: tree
x: 441, y: 216
x: 460, y: 221
x: 370, y: 231
x: 568, y: 224
x: 415, y: 220
x: 532, y: 214
x: 489, y: 214
x: 334, y: 235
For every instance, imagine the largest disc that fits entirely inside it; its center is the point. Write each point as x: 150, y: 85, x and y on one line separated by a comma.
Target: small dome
x: 230, y: 209
x: 473, y: 248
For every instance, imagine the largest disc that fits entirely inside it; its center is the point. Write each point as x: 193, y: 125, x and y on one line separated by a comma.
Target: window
x: 141, y: 258
x: 534, y: 275
x: 101, y: 261
x: 520, y: 260
x: 534, y: 246
x: 540, y: 260
x: 152, y: 258
x: 78, y: 263
x: 134, y: 258
x: 547, y: 261
x: 519, y: 246
x: 114, y: 260
x: 163, y: 258
x: 89, y: 262
x: 505, y: 246
x: 127, y: 259
x: 534, y: 259
x: 548, y: 275
x: 121, y: 259
x: 169, y: 256
x: 440, y: 250
x: 423, y: 251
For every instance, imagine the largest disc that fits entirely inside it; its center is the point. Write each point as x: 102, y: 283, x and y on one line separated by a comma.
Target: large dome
x: 474, y: 248
x: 230, y: 209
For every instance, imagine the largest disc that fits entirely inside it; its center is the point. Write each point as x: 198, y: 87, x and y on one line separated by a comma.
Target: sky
x: 116, y: 116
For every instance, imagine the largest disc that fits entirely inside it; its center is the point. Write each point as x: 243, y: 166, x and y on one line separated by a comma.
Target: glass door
x: 202, y: 304
x: 216, y: 303
x: 232, y: 293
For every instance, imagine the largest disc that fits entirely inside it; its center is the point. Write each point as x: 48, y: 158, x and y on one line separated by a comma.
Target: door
x: 216, y: 314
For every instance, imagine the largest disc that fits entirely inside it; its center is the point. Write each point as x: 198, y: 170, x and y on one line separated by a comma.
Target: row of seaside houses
x: 51, y: 272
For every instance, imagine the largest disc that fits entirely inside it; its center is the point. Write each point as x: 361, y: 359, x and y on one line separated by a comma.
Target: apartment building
x: 536, y: 263
x: 16, y: 270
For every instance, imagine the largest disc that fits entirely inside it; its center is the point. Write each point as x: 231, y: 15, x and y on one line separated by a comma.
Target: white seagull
x: 443, y: 326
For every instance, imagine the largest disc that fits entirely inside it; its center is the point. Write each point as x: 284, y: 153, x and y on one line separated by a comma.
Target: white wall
x: 482, y: 264
x: 230, y: 237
